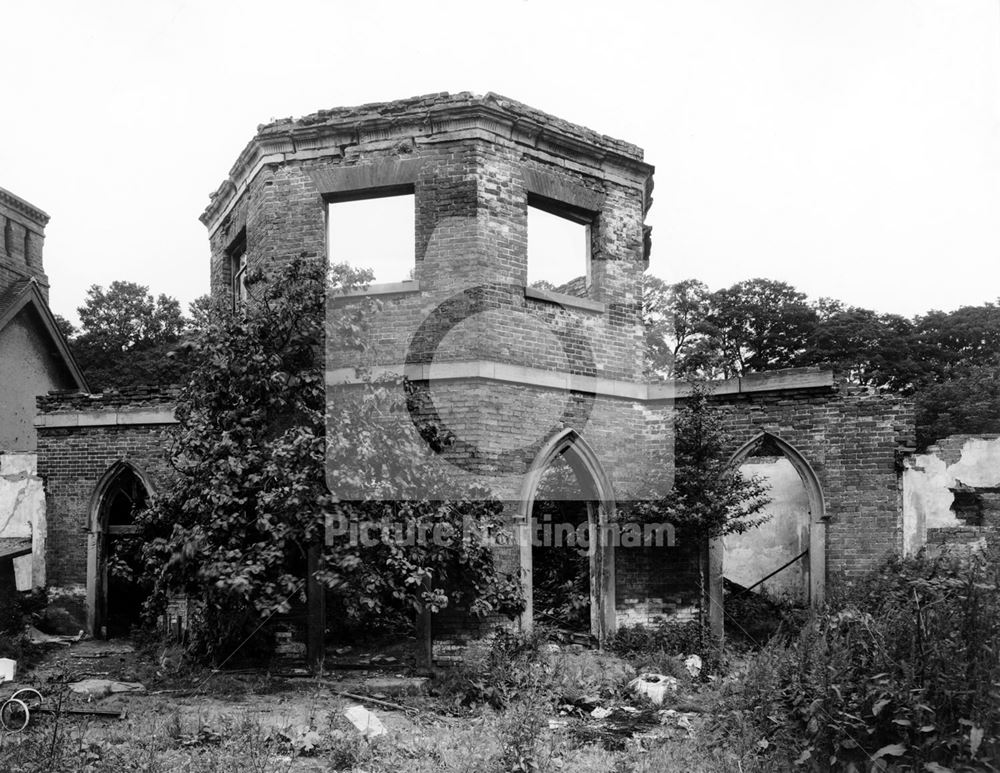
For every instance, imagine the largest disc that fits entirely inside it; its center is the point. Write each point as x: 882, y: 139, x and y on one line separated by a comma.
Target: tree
x: 966, y: 402
x: 709, y: 497
x: 865, y: 346
x: 966, y: 337
x: 674, y: 318
x: 251, y: 498
x: 758, y: 325
x: 126, y: 336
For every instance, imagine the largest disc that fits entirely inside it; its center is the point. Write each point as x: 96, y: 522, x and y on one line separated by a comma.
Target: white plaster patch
x: 927, y: 480
x: 22, y: 514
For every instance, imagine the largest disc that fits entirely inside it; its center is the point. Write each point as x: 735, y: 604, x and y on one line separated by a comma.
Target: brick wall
x: 73, y: 459
x: 852, y: 440
x: 474, y: 164
x: 22, y: 239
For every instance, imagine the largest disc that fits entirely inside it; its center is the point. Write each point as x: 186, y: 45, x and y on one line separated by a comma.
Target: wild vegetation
x: 899, y: 673
x: 251, y: 498
x: 948, y: 361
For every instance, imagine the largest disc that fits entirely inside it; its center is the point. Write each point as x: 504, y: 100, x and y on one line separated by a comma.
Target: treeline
x: 948, y: 361
x: 128, y: 337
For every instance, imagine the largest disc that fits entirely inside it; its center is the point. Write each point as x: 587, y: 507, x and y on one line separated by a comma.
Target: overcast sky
x: 849, y: 148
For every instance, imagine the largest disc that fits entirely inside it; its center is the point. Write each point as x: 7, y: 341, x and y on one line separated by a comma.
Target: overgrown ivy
x: 251, y: 496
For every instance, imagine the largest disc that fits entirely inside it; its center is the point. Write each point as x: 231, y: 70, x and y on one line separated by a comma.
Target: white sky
x: 851, y: 148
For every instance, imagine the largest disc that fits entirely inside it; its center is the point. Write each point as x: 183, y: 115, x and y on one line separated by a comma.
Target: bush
x: 904, y: 668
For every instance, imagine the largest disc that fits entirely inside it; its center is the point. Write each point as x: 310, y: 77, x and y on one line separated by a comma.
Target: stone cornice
x: 33, y: 213
x: 437, y: 115
x: 114, y: 417
x: 655, y: 392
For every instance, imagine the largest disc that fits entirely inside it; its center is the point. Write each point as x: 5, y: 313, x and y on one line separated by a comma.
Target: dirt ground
x: 189, y: 719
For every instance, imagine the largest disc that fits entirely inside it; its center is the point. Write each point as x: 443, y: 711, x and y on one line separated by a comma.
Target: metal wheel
x: 25, y: 695
x: 14, y: 715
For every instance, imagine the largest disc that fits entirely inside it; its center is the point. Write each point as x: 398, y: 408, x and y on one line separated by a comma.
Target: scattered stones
x: 653, y: 686
x: 369, y: 725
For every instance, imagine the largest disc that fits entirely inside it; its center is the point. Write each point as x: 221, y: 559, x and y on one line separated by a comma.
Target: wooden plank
x: 316, y: 603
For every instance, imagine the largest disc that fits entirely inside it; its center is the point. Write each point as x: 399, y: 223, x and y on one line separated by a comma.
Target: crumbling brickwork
x: 80, y: 437
x: 22, y: 239
x: 522, y: 365
x: 517, y: 374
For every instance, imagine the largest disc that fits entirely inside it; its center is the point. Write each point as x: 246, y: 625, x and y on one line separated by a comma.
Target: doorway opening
x: 566, y: 559
x: 116, y: 591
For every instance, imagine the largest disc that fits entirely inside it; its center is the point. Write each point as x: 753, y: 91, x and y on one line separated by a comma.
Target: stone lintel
x: 107, y: 418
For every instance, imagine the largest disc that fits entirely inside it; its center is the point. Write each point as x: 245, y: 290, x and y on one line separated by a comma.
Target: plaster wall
x: 22, y: 515
x: 928, y: 478
x: 756, y: 553
x: 28, y: 369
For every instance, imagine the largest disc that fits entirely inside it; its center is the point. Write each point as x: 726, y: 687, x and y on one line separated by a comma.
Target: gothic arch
x: 99, y: 529
x: 817, y: 526
x: 596, y: 484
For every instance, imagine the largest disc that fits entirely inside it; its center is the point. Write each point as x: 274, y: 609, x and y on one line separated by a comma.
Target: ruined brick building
x: 34, y: 359
x: 524, y: 374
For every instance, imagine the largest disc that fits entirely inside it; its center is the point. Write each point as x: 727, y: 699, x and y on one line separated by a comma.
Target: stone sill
x: 562, y: 299
x: 385, y: 288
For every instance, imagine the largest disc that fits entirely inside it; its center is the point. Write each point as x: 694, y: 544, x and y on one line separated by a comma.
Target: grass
x: 886, y: 667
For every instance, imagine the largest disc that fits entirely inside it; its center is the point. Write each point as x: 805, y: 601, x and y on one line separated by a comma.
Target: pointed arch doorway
x: 114, y: 595
x: 807, y: 561
x: 595, y: 503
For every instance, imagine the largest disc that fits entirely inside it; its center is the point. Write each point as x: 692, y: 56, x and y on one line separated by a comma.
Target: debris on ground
x: 8, y: 669
x: 601, y: 713
x: 369, y: 725
x: 93, y: 689
x: 38, y: 637
x: 653, y: 686
x: 693, y: 665
x: 615, y: 731
x: 677, y: 719
x: 586, y: 703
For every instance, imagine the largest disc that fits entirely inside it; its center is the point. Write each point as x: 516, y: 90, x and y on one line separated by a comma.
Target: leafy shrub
x: 513, y: 667
x: 905, y: 669
x: 669, y: 638
x: 256, y: 439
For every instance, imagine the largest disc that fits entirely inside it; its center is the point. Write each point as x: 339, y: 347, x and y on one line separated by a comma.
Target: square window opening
x: 377, y: 233
x: 558, y: 248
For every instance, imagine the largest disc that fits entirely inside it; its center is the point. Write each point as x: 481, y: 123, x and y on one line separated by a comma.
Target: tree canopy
x: 127, y: 335
x: 943, y: 359
x: 256, y: 434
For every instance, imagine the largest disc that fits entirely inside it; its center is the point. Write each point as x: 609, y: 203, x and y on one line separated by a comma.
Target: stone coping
x: 428, y: 118
x: 665, y: 391
x: 114, y: 417
x: 478, y: 370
